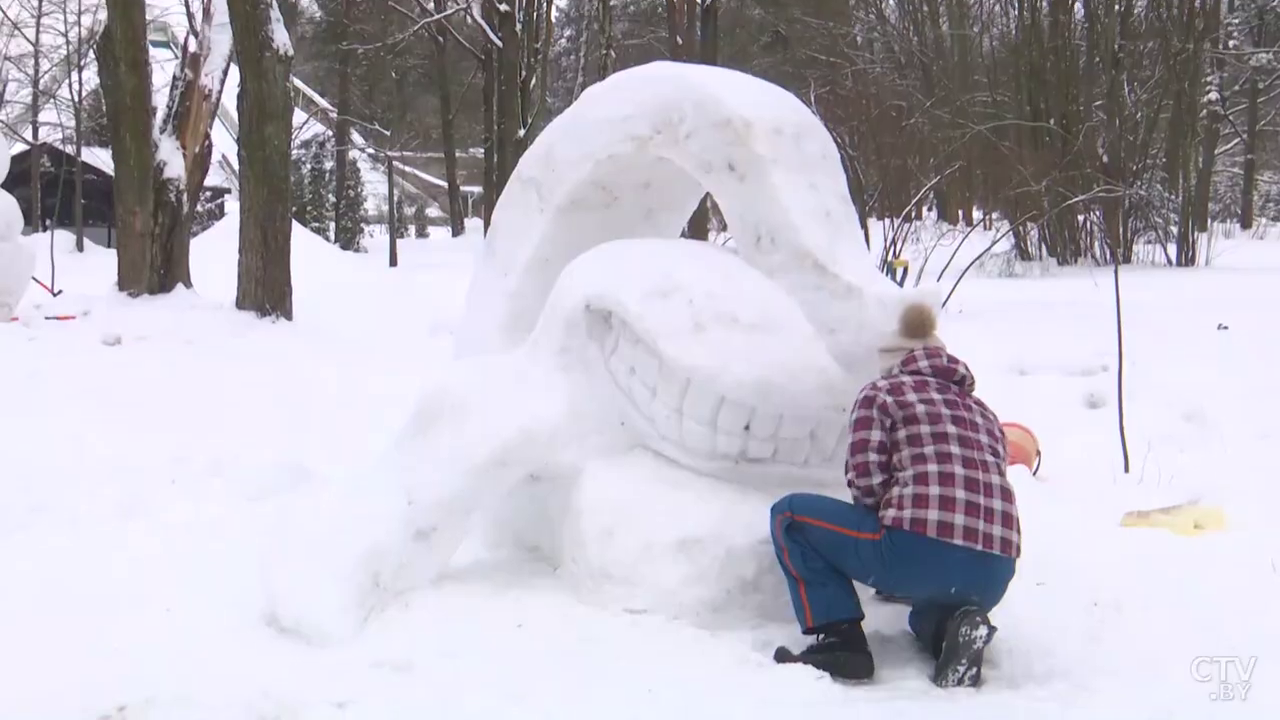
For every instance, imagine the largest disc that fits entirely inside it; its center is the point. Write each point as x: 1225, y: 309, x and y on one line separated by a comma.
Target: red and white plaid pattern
x: 932, y: 457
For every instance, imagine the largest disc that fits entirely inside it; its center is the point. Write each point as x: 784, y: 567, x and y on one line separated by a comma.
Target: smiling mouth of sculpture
x: 688, y: 415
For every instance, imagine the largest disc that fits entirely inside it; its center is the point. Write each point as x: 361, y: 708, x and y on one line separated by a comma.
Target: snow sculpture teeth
x: 692, y: 413
x: 672, y: 387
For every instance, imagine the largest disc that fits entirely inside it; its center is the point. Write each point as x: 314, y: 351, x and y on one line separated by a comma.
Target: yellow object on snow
x: 1184, y: 519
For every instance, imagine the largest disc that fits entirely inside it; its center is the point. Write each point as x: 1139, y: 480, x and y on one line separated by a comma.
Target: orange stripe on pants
x: 786, y: 556
x: 786, y: 561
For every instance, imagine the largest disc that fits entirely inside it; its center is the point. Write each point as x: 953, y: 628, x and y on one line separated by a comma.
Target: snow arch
x: 632, y: 157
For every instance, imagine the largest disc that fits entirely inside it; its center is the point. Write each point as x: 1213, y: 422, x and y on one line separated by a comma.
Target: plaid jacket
x: 932, y: 457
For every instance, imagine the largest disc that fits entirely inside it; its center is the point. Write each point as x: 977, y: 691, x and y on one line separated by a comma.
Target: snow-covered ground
x: 155, y: 449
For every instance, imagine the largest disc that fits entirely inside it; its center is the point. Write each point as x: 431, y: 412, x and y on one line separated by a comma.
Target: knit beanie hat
x: 917, y: 328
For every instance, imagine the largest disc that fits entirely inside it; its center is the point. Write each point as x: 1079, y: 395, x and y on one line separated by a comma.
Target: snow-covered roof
x: 101, y: 158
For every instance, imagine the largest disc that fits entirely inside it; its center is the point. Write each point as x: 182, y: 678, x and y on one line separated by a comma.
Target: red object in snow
x: 15, y: 318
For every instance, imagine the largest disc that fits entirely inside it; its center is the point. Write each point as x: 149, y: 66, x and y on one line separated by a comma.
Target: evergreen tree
x: 353, y: 228
x: 320, y: 187
x: 402, y: 218
x: 301, y: 210
x: 420, y: 220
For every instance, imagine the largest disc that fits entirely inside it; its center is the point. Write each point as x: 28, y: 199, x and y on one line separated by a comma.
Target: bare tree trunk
x: 508, y: 100
x: 195, y: 91
x: 125, y: 70
x: 544, y: 62
x: 156, y: 191
x: 265, y: 284
x: 958, y: 20
x: 529, y: 32
x: 707, y: 17
x: 1249, y: 168
x: 448, y: 139
x: 1212, y: 118
x: 689, y: 43
x: 489, y: 65
x: 1187, y: 112
x: 580, y: 80
x: 393, y: 244
x: 77, y: 111
x: 394, y: 142
x: 37, y: 211
x: 606, y: 38
x: 675, y: 29
x: 342, y: 226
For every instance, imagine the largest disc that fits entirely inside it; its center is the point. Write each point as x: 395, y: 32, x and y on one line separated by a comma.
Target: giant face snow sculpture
x: 17, y: 260
x: 607, y: 169
x: 623, y: 405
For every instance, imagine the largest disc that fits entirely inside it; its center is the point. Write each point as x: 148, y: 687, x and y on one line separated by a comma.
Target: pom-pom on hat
x: 917, y: 328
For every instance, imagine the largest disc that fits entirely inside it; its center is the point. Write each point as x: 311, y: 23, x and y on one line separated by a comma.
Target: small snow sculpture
x: 17, y: 259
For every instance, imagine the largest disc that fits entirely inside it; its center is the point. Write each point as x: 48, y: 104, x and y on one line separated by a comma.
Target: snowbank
x: 147, y: 534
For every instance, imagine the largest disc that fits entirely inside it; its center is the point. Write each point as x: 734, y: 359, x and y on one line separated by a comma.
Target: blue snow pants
x: 824, y: 543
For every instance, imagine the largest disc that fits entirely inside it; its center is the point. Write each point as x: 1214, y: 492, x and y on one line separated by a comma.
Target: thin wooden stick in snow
x: 1124, y: 442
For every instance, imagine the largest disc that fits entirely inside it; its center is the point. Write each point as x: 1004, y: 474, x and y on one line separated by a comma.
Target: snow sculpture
x: 625, y: 406
x: 17, y: 259
x: 603, y: 170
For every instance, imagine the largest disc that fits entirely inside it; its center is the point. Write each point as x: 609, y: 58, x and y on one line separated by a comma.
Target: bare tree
x: 606, y: 38
x: 692, y: 36
x: 489, y: 113
x: 507, y: 126
x: 125, y: 71
x: 37, y: 203
x: 26, y: 21
x: 160, y: 162
x: 265, y: 52
x: 346, y: 231
x: 393, y: 219
x: 434, y: 21
x: 512, y: 62
x: 77, y: 44
x: 49, y: 43
x: 448, y: 139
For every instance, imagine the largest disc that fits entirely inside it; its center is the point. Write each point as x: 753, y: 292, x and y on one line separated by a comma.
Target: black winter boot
x: 958, y: 648
x: 841, y: 650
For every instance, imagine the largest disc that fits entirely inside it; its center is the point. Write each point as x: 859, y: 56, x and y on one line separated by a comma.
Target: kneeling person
x: 933, y: 518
